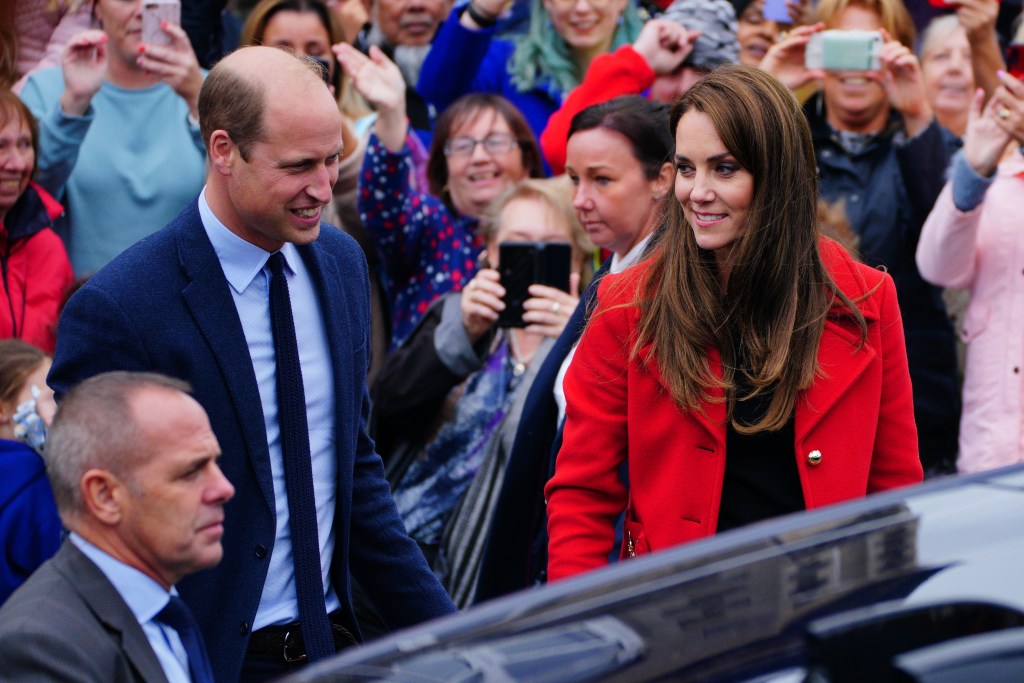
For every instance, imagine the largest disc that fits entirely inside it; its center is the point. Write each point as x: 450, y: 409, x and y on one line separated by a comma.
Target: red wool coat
x: 854, y: 428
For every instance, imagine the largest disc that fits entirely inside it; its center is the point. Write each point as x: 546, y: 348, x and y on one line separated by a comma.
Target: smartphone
x: 844, y: 51
x: 521, y: 264
x: 777, y: 11
x: 1015, y: 60
x: 154, y: 13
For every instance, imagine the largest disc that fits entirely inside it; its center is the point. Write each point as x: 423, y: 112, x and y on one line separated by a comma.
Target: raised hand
x: 785, y: 60
x: 977, y: 16
x: 904, y: 84
x: 984, y: 139
x: 380, y: 82
x: 1008, y: 100
x: 375, y: 77
x: 664, y: 44
x: 174, y: 64
x: 84, y: 66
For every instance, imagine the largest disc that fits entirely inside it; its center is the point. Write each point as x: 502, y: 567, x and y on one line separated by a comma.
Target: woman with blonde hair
x: 748, y: 368
x: 448, y: 401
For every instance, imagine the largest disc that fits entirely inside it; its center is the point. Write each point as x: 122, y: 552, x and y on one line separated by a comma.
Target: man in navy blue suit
x: 196, y: 301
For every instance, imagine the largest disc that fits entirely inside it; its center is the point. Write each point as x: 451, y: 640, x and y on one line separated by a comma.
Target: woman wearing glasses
x: 428, y: 242
x: 534, y: 70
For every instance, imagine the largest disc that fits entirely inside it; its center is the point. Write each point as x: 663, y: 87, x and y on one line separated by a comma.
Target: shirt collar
x: 241, y: 260
x: 144, y: 596
x: 632, y: 256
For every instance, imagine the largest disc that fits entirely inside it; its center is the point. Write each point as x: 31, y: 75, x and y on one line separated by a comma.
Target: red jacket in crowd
x: 35, y: 270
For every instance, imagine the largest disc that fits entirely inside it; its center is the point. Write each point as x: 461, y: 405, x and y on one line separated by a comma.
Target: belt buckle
x: 289, y: 641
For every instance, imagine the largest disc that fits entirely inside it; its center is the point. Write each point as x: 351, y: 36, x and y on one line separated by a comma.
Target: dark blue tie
x: 298, y: 470
x: 177, y: 615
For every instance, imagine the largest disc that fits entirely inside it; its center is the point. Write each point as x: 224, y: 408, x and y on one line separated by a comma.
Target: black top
x: 761, y: 477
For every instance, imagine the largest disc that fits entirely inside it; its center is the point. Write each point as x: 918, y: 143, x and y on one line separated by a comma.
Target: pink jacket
x: 983, y: 250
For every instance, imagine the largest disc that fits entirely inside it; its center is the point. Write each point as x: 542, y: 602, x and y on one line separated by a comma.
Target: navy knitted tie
x: 177, y: 615
x: 298, y: 470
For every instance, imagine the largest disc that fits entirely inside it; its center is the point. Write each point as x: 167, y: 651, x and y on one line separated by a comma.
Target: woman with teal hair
x: 534, y: 69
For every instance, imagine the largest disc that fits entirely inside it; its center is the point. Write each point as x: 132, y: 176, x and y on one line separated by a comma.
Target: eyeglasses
x: 496, y: 143
x: 563, y: 5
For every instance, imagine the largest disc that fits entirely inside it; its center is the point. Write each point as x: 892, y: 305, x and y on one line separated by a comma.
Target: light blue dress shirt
x: 245, y: 267
x: 145, y: 598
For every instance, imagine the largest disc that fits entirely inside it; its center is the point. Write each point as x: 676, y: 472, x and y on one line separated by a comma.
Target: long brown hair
x: 768, y: 322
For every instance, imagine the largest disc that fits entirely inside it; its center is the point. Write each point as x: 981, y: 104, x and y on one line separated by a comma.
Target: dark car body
x: 920, y: 584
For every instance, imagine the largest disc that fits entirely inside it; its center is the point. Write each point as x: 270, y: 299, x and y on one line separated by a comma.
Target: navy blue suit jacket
x: 165, y: 306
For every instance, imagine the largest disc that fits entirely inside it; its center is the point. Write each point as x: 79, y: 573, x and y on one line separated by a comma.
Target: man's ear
x: 102, y: 495
x: 223, y: 152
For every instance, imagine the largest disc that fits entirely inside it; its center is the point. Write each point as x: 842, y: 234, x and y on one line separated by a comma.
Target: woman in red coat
x: 748, y: 368
x: 35, y: 272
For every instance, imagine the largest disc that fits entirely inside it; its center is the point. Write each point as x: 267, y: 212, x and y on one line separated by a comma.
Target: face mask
x: 28, y: 426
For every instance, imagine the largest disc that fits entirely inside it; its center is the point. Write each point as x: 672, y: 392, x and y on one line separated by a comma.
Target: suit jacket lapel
x: 209, y: 300
x: 110, y: 609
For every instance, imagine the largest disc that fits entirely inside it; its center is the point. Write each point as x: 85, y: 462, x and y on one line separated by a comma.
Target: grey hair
x: 95, y: 428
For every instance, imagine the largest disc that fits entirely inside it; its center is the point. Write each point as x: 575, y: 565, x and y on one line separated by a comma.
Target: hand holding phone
x: 837, y: 50
x: 154, y: 13
x: 522, y: 264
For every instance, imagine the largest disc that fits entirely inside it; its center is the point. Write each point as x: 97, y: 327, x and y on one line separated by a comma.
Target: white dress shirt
x: 145, y: 598
x: 245, y: 268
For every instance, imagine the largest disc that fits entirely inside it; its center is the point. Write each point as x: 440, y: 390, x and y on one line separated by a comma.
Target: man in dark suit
x: 133, y: 463
x: 238, y: 295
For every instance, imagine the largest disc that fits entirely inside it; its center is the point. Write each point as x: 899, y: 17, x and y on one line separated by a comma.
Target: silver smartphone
x: 154, y: 13
x: 844, y: 51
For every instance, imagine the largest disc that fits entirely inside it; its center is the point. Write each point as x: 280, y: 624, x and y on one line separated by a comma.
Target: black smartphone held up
x: 521, y: 264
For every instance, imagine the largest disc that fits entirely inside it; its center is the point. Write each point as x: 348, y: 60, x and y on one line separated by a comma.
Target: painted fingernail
x: 1000, y: 73
x: 142, y: 47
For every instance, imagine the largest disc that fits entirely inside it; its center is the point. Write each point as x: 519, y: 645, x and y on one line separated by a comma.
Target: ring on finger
x: 1004, y: 113
x: 555, y: 307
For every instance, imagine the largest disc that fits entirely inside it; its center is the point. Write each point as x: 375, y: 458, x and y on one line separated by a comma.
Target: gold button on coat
x: 814, y: 458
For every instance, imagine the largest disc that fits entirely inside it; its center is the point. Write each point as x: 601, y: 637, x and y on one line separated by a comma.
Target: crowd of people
x: 294, y: 402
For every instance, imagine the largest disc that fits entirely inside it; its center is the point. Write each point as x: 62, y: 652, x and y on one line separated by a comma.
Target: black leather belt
x: 285, y: 641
